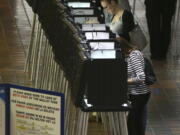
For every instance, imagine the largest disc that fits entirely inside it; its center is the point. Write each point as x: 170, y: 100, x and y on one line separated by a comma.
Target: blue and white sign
x: 32, y: 111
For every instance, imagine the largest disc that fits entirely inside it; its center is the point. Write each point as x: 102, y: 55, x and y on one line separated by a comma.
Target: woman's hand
x: 130, y: 80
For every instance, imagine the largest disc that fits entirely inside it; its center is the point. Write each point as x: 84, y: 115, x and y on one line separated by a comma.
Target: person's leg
x: 167, y: 14
x: 137, y: 114
x: 153, y: 23
x: 144, y: 117
x: 131, y: 118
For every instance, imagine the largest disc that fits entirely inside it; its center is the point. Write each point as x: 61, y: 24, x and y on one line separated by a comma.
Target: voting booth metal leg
x: 105, y: 122
x: 47, y: 74
x: 28, y: 57
x: 38, y: 59
x: 114, y: 123
x: 44, y: 66
x: 35, y: 52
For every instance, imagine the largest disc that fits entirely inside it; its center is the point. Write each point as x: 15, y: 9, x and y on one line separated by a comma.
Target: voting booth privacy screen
x: 103, y: 84
x: 25, y: 111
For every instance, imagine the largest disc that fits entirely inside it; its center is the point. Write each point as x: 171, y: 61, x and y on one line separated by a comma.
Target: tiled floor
x: 15, y: 34
x: 164, y: 104
x: 15, y: 31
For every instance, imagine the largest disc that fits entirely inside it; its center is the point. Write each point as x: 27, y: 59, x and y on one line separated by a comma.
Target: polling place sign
x: 30, y: 111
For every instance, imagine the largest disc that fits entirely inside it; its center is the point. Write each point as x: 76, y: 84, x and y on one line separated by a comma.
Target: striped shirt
x: 135, y: 63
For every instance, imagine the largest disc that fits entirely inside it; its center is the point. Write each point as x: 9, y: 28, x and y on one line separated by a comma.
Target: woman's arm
x: 128, y: 24
x: 128, y: 21
x: 137, y: 65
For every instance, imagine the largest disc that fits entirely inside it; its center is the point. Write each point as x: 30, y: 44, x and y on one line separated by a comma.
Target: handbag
x: 137, y: 37
x: 150, y: 77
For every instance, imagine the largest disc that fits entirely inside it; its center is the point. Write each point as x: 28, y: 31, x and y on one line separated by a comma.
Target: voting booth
x: 103, y: 85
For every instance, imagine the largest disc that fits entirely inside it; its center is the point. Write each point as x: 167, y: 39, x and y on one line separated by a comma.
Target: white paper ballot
x: 79, y: 4
x: 93, y: 27
x: 99, y: 27
x: 103, y: 54
x: 82, y: 11
x: 101, y: 45
x: 87, y: 27
x: 83, y: 20
x: 97, y: 35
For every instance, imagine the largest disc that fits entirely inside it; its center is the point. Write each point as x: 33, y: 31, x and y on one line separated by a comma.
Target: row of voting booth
x: 72, y: 46
x: 90, y: 56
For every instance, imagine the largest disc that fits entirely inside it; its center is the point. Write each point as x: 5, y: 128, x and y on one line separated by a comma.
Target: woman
x: 122, y: 21
x: 138, y: 91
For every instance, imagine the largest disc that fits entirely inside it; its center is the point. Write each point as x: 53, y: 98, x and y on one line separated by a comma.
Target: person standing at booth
x: 123, y: 4
x: 122, y: 20
x: 138, y: 91
x: 159, y: 15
